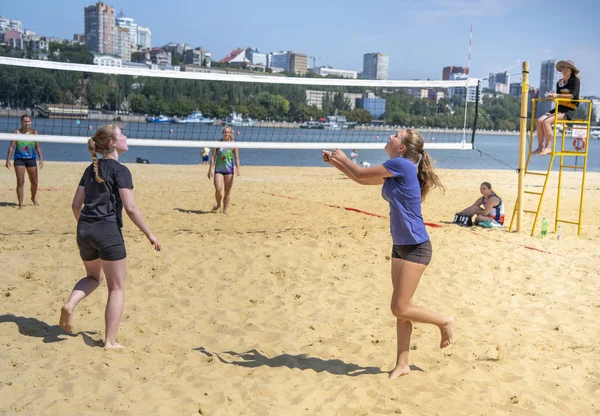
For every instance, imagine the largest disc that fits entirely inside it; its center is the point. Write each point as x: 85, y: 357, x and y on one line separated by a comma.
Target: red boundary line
x: 41, y: 189
x: 520, y: 245
x: 360, y: 211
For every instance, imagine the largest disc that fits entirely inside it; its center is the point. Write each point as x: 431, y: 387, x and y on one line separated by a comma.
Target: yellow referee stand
x: 579, y: 147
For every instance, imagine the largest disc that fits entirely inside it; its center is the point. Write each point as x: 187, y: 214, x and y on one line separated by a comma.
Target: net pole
x: 464, y: 140
x: 476, y: 115
x: 522, y: 143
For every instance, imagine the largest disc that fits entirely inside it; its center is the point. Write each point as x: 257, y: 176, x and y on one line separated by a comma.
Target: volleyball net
x: 189, y: 107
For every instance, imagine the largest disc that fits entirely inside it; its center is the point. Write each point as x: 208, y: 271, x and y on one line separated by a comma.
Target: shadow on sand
x: 33, y: 327
x: 253, y: 359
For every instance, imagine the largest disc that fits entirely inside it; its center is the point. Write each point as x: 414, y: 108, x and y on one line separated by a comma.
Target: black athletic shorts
x: 28, y: 163
x: 100, y: 239
x: 416, y: 253
x: 569, y: 115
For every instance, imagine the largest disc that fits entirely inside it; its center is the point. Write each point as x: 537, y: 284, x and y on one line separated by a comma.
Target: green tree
x: 136, y: 56
x: 138, y: 103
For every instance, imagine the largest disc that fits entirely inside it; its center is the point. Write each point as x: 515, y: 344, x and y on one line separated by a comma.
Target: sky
x: 420, y: 37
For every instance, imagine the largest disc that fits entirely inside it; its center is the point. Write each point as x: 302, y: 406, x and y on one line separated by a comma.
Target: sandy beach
x: 282, y: 307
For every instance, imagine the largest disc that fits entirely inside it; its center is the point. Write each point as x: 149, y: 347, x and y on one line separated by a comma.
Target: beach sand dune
x: 282, y: 307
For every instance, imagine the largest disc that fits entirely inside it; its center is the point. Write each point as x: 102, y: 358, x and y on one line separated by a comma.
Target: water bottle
x: 559, y: 235
x: 544, y: 227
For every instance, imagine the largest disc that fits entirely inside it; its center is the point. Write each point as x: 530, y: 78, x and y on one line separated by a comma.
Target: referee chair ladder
x: 581, y: 145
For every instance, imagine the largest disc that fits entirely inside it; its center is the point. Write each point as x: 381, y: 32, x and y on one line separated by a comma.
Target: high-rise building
x: 100, y: 28
x: 7, y: 24
x: 197, y: 56
x: 129, y: 24
x: 123, y: 44
x: 279, y: 60
x: 596, y: 109
x: 372, y: 104
x: 376, y: 66
x: 342, y: 73
x: 256, y: 57
x: 515, y: 91
x: 448, y: 71
x: 548, y: 79
x: 179, y: 48
x: 144, y: 40
x: 499, y: 82
x: 466, y: 93
x: 79, y: 38
x: 298, y: 63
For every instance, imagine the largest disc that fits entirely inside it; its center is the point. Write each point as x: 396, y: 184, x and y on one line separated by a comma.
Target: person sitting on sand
x: 106, y: 187
x: 488, y: 209
x: 406, y: 177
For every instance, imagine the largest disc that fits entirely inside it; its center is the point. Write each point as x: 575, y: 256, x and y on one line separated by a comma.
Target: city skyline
x: 339, y: 37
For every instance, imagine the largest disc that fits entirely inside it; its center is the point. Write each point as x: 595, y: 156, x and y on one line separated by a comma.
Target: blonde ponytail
x: 92, y: 149
x: 415, y: 152
x: 99, y: 144
x: 428, y: 179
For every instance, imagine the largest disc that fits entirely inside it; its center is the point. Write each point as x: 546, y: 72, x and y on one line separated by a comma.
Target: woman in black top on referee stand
x: 104, y: 190
x: 567, y: 87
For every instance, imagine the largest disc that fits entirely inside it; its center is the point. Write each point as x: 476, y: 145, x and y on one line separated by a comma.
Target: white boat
x: 332, y: 126
x: 311, y: 125
x: 338, y: 123
x: 237, y: 120
x: 195, y: 118
x: 159, y: 119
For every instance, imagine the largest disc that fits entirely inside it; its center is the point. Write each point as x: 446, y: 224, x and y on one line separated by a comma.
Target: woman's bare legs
x: 406, y: 276
x: 82, y: 289
x: 33, y: 180
x: 115, y: 280
x: 20, y: 174
x: 403, y: 333
x: 549, y: 125
x: 228, y: 185
x: 218, y: 180
x: 541, y: 132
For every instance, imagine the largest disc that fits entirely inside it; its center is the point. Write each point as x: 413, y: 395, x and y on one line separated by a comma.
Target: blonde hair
x: 230, y: 128
x: 415, y: 152
x: 99, y: 144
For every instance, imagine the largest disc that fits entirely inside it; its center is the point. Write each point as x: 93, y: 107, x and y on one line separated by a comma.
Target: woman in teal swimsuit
x: 26, y: 154
x: 224, y: 162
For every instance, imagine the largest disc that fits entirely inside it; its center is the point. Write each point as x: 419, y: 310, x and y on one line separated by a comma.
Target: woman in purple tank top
x: 406, y: 177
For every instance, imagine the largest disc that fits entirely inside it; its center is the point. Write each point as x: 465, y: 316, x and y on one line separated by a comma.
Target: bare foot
x: 20, y: 207
x: 545, y: 151
x: 35, y: 202
x: 537, y: 151
x: 216, y: 208
x: 111, y: 345
x: 399, y: 372
x: 66, y: 318
x: 225, y: 212
x: 446, y: 331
